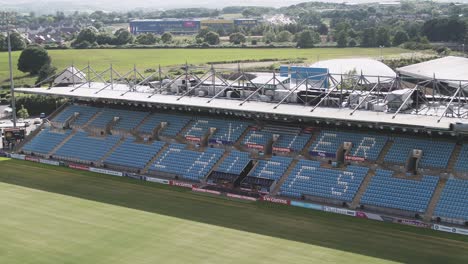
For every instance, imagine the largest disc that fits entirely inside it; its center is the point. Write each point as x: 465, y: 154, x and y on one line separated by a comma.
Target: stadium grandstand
x: 378, y: 143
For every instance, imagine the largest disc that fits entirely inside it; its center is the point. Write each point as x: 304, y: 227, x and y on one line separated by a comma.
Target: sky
x: 124, y: 5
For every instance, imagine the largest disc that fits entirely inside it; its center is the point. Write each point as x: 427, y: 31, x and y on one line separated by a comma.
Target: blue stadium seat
x: 290, y: 138
x: 462, y: 162
x: 134, y: 155
x: 192, y: 165
x: 85, y: 113
x: 226, y: 130
x: 364, y: 145
x: 46, y: 141
x: 410, y: 195
x: 453, y: 202
x: 175, y: 123
x: 234, y: 163
x: 272, y: 169
x: 436, y: 153
x: 128, y: 120
x: 307, y: 178
x: 82, y: 147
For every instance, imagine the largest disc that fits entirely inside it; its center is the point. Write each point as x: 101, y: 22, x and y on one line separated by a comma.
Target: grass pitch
x: 124, y: 59
x: 56, y: 215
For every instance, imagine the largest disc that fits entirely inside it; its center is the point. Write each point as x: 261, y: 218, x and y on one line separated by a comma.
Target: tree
x: 16, y: 40
x: 88, y: 34
x: 32, y: 59
x: 104, y: 38
x: 323, y: 29
x: 341, y: 39
x: 400, y: 38
x: 368, y: 38
x: 83, y: 45
x: 45, y: 72
x: 284, y: 36
x: 122, y: 37
x: 2, y: 42
x: 166, y: 37
x: 23, y: 112
x: 237, y: 38
x: 212, y: 38
x: 146, y: 39
x: 383, y: 37
x: 352, y: 43
x: 307, y: 39
x: 269, y: 36
x: 202, y: 33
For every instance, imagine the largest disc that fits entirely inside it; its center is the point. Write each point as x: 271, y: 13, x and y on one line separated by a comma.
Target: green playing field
x: 57, y: 215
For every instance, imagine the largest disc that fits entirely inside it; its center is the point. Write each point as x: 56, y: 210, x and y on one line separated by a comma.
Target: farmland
x: 125, y: 59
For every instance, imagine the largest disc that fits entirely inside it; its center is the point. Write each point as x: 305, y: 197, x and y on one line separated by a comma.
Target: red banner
x: 28, y: 158
x: 287, y: 150
x: 255, y: 146
x: 78, y: 167
x: 276, y: 200
x: 195, y: 139
x: 355, y: 158
x: 241, y: 197
x: 206, y: 191
x: 182, y: 184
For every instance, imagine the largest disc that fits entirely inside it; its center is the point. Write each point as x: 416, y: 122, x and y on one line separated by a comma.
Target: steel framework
x: 439, y: 97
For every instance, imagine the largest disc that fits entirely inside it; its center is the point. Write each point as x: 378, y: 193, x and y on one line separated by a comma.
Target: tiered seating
x: 134, y: 155
x: 234, y: 163
x: 46, y: 141
x: 410, y: 195
x: 453, y: 202
x: 188, y: 164
x: 436, y: 153
x: 364, y: 145
x: 128, y: 120
x: 175, y: 123
x: 272, y: 169
x: 309, y: 179
x: 86, y: 112
x: 462, y: 162
x: 289, y: 137
x: 81, y: 147
x: 226, y: 130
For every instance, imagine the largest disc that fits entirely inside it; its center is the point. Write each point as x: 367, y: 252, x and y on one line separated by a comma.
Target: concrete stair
x: 362, y: 189
x: 238, y: 145
x: 383, y: 153
x: 92, y: 119
x: 220, y: 161
x: 434, y: 200
x: 155, y: 157
x: 57, y: 111
x: 284, y: 177
x: 28, y: 138
x: 313, y: 138
x: 181, y: 136
x: 454, y: 158
x: 137, y: 128
x: 52, y: 152
x: 108, y: 153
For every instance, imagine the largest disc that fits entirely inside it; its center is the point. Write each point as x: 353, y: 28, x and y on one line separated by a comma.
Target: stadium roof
x: 143, y: 95
x: 449, y: 68
x: 368, y: 67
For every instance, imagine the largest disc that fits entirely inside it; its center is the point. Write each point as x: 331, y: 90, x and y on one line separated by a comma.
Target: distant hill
x: 51, y: 6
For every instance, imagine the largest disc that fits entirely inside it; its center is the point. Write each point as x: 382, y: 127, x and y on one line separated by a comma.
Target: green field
x: 56, y: 215
x: 124, y: 59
